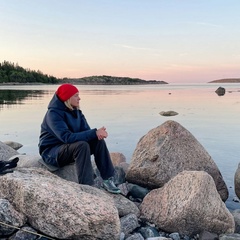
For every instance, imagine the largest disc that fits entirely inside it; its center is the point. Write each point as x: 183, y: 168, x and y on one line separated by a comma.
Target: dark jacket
x: 60, y: 126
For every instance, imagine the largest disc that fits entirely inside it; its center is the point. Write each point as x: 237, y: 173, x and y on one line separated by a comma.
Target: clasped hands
x: 101, y: 133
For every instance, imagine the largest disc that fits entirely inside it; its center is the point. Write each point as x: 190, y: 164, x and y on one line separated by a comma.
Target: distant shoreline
x: 112, y: 81
x: 78, y: 83
x: 94, y: 80
x: 18, y: 84
x: 226, y: 80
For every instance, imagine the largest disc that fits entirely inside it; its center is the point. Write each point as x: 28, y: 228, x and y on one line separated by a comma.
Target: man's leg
x: 104, y: 164
x: 102, y: 158
x: 78, y: 152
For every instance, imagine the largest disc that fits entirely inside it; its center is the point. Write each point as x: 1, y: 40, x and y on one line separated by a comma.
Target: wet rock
x: 137, y: 192
x: 149, y: 232
x: 168, y: 113
x: 220, y: 91
x: 135, y: 236
x: 205, y: 235
x: 25, y: 233
x: 11, y: 217
x: 236, y: 215
x: 129, y: 223
x: 234, y: 236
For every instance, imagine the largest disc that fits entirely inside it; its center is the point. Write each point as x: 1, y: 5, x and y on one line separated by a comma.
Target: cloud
x: 135, y: 48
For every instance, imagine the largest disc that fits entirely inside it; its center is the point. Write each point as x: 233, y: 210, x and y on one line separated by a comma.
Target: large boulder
x: 6, y: 152
x: 167, y: 150
x: 189, y: 204
x: 67, y: 172
x: 124, y: 205
x: 59, y: 208
x: 117, y: 158
x: 14, y: 145
x: 29, y: 161
x: 237, y: 181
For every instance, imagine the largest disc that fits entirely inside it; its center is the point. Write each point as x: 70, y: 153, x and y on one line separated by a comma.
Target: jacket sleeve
x: 59, y: 128
x: 84, y: 124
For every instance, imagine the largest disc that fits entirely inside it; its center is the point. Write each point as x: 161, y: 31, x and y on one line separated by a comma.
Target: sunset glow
x: 173, y: 41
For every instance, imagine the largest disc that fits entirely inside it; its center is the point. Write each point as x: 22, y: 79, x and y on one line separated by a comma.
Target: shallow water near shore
x: 129, y: 112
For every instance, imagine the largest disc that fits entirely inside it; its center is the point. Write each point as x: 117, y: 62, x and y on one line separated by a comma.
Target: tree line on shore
x: 13, y: 73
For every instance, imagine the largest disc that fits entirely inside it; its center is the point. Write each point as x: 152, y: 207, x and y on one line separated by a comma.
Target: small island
x: 109, y: 80
x: 227, y: 80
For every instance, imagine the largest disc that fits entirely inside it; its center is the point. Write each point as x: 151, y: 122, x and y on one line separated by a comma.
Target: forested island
x: 227, y: 80
x: 11, y: 73
x: 109, y: 80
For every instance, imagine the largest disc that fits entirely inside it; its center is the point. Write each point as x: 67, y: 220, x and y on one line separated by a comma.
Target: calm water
x: 129, y: 112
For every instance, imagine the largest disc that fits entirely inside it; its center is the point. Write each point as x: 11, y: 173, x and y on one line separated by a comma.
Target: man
x: 66, y: 138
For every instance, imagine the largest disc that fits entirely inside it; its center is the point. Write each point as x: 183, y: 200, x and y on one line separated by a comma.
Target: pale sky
x: 177, y: 41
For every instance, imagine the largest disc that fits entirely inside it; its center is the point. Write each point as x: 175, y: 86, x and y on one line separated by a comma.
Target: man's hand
x: 101, y: 133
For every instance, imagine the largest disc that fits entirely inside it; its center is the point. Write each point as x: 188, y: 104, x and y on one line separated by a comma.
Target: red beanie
x: 65, y: 91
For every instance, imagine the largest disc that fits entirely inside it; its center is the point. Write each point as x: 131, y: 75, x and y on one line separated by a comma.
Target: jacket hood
x: 56, y: 103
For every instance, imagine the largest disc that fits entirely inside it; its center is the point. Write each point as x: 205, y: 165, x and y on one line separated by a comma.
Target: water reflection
x: 106, y: 92
x: 13, y: 97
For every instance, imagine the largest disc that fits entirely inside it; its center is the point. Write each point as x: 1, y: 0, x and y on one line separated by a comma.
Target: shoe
x: 110, y: 186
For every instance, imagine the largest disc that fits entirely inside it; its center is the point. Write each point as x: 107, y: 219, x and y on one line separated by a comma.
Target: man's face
x: 75, y: 100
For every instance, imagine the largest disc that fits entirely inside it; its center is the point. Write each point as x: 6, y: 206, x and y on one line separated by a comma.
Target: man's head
x: 69, y: 95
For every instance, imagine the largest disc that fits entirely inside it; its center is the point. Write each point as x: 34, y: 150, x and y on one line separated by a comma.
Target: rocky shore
x: 171, y: 189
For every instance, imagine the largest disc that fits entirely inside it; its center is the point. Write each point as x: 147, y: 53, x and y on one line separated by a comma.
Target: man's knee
x: 81, y: 146
x: 101, y: 143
